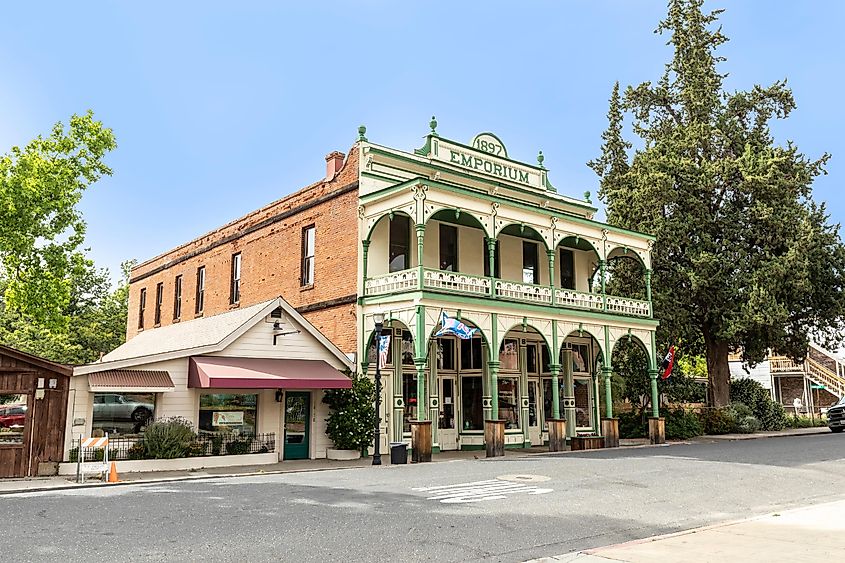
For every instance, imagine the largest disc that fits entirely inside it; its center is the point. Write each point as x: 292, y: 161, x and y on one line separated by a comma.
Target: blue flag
x: 383, y: 347
x: 454, y: 326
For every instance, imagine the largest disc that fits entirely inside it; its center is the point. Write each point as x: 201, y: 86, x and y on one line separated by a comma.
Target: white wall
x: 759, y: 373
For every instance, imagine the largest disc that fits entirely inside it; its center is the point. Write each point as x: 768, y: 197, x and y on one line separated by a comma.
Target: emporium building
x: 454, y: 228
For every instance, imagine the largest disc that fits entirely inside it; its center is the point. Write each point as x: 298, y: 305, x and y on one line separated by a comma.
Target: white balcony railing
x: 468, y: 284
x: 627, y: 306
x: 389, y: 283
x: 456, y: 281
x: 578, y: 299
x: 524, y: 292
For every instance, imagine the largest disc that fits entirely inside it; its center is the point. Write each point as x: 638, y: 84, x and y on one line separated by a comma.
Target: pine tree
x: 745, y: 261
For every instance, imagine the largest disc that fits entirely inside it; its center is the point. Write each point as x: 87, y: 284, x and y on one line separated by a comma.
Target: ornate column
x: 568, y: 394
x: 555, y: 368
x: 398, y: 399
x: 523, y: 394
x: 486, y: 395
x: 494, y: 390
x: 433, y: 392
x: 551, y: 255
x: 655, y: 397
x: 420, y: 240
x: 648, y: 292
x: 602, y: 266
x: 365, y: 247
x: 607, y: 373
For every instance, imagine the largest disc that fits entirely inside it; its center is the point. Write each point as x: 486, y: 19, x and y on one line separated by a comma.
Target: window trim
x: 235, y: 281
x: 447, y: 227
x: 304, y: 282
x: 406, y: 242
x: 159, y: 301
x: 200, y: 293
x: 142, y: 304
x: 177, y: 297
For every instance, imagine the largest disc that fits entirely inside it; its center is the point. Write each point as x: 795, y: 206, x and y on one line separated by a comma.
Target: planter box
x: 342, y: 455
x: 586, y: 443
x: 183, y: 463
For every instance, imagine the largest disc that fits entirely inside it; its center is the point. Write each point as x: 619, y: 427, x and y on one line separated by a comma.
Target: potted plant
x: 351, y: 416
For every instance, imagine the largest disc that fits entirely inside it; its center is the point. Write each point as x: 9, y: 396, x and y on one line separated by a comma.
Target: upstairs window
x: 159, y: 299
x: 177, y: 298
x: 567, y: 269
x: 400, y: 243
x: 235, y: 286
x: 485, y: 252
x: 142, y: 304
x: 200, y: 290
x: 530, y: 271
x: 307, y: 265
x: 448, y: 248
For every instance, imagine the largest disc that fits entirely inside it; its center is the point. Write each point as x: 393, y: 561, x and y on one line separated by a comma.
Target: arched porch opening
x: 580, y: 358
x: 631, y: 363
x: 454, y: 241
x: 519, y: 240
x: 577, y: 265
x: 390, y: 245
x: 625, y: 275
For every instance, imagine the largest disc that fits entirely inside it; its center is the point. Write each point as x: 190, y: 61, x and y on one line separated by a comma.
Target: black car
x: 836, y: 416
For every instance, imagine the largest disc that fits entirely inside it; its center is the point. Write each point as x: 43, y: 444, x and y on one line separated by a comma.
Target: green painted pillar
x: 491, y: 261
x: 655, y: 407
x: 523, y: 394
x: 555, y: 390
x: 568, y: 394
x: 648, y: 292
x: 551, y: 255
x: 433, y: 391
x: 365, y: 248
x: 486, y: 395
x: 422, y: 412
x: 420, y: 247
x: 607, y: 373
x: 398, y: 398
x: 494, y: 389
x: 602, y: 265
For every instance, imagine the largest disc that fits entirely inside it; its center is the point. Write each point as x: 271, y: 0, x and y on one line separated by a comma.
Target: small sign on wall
x: 227, y: 418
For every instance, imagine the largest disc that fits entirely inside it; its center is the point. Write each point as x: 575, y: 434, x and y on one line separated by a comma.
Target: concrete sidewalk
x: 756, y: 435
x: 814, y: 533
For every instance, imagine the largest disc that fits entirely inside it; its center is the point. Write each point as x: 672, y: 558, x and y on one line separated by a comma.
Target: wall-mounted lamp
x: 280, y: 395
x: 279, y: 331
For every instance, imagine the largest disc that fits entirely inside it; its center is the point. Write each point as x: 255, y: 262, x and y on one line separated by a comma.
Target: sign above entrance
x: 487, y: 156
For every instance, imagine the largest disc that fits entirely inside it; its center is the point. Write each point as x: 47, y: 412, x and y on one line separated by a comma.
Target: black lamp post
x: 379, y: 320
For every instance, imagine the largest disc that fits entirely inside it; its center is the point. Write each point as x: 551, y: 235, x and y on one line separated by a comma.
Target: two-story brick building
x: 460, y: 229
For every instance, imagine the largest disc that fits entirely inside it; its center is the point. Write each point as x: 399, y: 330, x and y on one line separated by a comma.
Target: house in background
x: 817, y: 383
x: 257, y: 372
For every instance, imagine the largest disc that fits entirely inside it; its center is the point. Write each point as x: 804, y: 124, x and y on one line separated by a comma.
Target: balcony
x: 473, y: 285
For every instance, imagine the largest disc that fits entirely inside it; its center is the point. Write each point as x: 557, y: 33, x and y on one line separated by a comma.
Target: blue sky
x: 221, y: 107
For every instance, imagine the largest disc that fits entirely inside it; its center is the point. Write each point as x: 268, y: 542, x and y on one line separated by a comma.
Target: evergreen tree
x: 744, y: 260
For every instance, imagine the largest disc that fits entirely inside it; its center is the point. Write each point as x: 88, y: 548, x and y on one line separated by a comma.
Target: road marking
x: 478, y: 491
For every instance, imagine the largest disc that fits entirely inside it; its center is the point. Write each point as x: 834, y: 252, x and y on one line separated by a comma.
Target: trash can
x: 398, y: 453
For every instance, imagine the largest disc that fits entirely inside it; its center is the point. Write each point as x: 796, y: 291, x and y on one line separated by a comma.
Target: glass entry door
x: 447, y: 420
x: 535, y: 431
x: 297, y: 424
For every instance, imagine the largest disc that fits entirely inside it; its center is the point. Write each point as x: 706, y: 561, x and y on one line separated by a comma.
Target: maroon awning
x: 137, y: 380
x: 208, y: 372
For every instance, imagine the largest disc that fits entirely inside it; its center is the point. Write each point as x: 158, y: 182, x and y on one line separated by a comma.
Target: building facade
x: 450, y: 228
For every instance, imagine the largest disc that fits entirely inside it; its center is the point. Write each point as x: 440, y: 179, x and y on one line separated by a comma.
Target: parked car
x: 836, y: 416
x: 114, y: 406
x: 14, y: 415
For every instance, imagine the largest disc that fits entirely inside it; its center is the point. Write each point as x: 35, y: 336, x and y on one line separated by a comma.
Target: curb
x: 740, y: 437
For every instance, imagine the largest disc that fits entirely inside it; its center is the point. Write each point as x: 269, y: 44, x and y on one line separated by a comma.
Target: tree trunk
x: 718, y: 372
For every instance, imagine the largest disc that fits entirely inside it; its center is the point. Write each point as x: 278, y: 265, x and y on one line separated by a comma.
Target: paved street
x: 509, y: 509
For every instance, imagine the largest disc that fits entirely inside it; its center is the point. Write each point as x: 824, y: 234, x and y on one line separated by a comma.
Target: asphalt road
x: 451, y: 511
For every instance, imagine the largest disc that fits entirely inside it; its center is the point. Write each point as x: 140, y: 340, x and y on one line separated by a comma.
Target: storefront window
x: 122, y: 413
x: 582, y: 402
x: 471, y: 397
x: 409, y: 396
x: 471, y: 354
x: 531, y: 358
x: 225, y: 412
x: 509, y: 401
x: 509, y: 355
x: 13, y: 409
x: 446, y: 354
x: 407, y: 348
x: 581, y: 358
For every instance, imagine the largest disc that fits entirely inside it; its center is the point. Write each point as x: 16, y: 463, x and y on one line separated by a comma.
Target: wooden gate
x: 33, y: 413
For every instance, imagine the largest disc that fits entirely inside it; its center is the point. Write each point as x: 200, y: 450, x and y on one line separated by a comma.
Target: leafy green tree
x: 351, y: 415
x: 41, y: 228
x: 744, y: 260
x: 96, y: 320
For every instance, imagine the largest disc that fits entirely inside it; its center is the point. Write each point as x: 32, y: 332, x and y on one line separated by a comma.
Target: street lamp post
x: 379, y: 320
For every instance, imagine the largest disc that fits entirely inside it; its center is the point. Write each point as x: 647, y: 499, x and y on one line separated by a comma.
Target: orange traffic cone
x: 113, y: 473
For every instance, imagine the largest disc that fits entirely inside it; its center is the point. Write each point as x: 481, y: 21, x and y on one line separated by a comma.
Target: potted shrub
x: 350, y: 422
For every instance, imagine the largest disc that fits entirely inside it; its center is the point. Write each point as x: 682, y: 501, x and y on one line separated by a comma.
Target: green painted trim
x: 504, y: 148
x: 505, y: 303
x: 574, y: 203
x: 435, y: 449
x: 534, y: 167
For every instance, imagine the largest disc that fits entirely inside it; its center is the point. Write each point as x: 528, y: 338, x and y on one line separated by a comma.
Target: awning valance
x: 207, y: 372
x: 137, y: 380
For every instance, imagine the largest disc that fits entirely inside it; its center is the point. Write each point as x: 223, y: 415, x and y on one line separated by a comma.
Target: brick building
x: 259, y: 257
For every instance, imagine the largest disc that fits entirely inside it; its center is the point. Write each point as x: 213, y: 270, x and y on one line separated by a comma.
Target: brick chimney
x: 334, y: 162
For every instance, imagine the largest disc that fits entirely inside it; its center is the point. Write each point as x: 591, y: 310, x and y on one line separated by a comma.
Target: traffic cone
x: 113, y: 473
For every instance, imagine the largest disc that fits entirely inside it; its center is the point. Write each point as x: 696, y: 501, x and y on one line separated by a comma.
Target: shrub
x: 169, y: 438
x: 632, y: 425
x: 216, y: 444
x: 719, y: 420
x: 806, y: 421
x: 352, y: 415
x: 237, y: 447
x: 682, y: 425
x: 751, y: 393
x: 137, y: 451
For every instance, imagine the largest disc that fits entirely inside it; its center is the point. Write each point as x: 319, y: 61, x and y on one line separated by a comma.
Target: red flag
x: 668, y: 363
